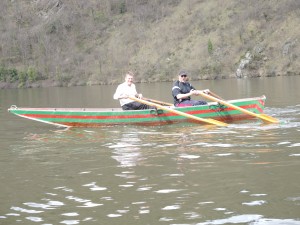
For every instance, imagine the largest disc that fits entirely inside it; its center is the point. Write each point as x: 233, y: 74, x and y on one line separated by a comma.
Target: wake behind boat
x: 99, y: 117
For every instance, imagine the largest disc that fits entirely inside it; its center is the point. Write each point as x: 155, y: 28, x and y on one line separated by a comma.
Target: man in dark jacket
x: 182, y: 91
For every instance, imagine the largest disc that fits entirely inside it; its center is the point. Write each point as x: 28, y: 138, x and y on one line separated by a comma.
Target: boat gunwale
x: 53, y: 109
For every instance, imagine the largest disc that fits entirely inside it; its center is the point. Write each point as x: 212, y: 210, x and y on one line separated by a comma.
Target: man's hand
x: 140, y: 96
x: 193, y: 92
x: 206, y: 91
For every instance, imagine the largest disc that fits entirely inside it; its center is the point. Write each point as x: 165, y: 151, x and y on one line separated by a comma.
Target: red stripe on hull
x: 228, y: 118
x: 75, y: 124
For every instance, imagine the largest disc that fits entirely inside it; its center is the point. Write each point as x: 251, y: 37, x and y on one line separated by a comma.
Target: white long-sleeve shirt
x: 125, y: 89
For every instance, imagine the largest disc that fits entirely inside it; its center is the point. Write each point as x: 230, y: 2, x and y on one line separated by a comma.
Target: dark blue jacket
x: 181, y: 88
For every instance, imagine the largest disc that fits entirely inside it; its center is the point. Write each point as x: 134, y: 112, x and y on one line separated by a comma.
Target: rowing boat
x: 98, y: 117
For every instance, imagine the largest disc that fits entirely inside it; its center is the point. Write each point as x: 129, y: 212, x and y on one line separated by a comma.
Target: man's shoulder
x: 122, y: 84
x: 176, y: 83
x: 187, y: 84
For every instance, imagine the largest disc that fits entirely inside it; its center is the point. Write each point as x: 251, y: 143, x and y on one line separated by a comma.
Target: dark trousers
x: 186, y: 103
x: 136, y: 106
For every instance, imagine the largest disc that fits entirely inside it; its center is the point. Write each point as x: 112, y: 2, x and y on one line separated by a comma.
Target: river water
x: 247, y: 173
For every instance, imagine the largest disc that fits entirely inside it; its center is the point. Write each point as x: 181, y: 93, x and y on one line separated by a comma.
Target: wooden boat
x: 97, y: 117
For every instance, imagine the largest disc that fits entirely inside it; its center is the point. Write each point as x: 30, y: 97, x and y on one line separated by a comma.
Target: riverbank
x: 53, y: 83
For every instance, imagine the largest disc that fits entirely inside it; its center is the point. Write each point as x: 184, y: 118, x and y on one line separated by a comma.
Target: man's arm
x: 119, y: 93
x: 187, y: 95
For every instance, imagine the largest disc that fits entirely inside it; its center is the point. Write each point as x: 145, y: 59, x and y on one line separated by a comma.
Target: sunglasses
x: 183, y: 75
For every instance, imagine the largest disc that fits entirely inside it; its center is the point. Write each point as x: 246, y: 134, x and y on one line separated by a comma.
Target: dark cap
x: 182, y: 72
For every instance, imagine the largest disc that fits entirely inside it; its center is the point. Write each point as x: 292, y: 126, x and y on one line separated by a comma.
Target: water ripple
x: 254, y: 203
x: 30, y: 211
x: 234, y: 219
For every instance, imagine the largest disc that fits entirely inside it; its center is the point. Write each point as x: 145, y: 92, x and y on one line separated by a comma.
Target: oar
x: 261, y: 116
x: 211, y: 121
x: 215, y: 95
x: 158, y: 102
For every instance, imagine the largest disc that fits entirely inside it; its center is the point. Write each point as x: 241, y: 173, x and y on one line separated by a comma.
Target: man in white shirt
x: 128, y: 89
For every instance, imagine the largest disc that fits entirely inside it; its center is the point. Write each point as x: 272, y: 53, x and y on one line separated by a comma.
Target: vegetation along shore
x: 68, y: 43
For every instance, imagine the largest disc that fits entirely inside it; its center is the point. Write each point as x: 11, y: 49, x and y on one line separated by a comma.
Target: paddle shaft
x: 210, y: 121
x: 261, y: 116
x: 158, y: 102
x: 215, y: 95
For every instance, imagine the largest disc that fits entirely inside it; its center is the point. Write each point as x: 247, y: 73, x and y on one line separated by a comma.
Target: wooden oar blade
x: 217, y: 122
x: 264, y: 117
x: 268, y: 118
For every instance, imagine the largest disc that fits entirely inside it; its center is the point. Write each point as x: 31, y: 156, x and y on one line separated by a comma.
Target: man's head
x: 182, y: 76
x: 129, y: 78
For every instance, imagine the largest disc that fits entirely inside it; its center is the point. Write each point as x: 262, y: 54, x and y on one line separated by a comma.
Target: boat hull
x: 97, y: 117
